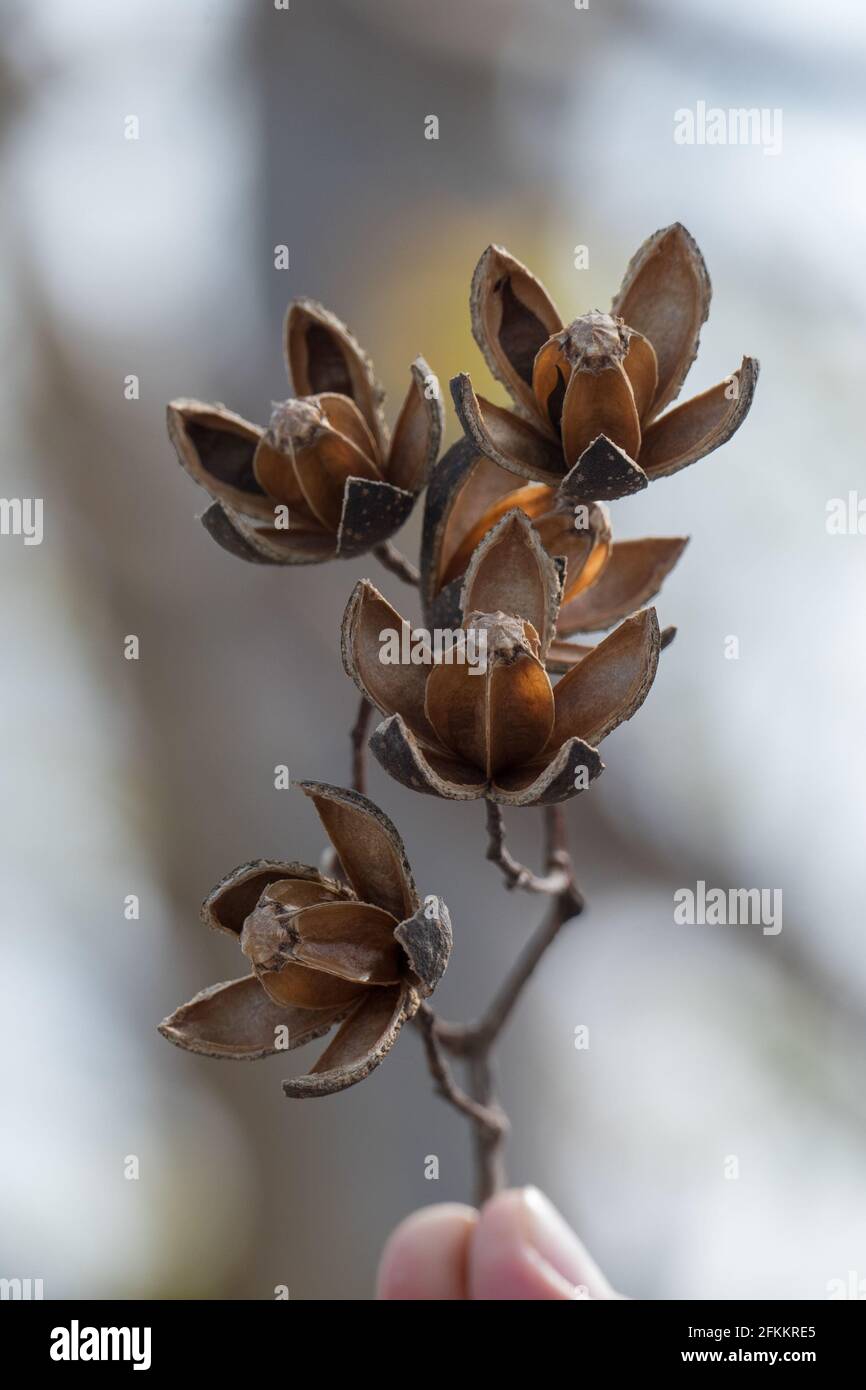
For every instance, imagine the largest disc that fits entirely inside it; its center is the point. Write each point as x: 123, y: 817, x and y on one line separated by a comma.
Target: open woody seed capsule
x: 325, y: 479
x: 588, y: 396
x: 497, y: 727
x: 356, y: 956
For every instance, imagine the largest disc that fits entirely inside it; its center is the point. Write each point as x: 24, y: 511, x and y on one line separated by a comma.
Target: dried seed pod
x: 587, y: 404
x: 357, y: 955
x: 495, y: 729
x: 323, y: 481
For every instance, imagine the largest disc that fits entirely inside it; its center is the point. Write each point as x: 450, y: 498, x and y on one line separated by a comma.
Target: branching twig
x: 474, y: 1042
x: 487, y: 1118
x: 556, y: 879
x: 395, y: 561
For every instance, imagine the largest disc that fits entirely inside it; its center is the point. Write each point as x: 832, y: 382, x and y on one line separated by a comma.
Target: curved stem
x: 488, y: 1119
x: 555, y: 880
x: 474, y: 1043
x: 394, y: 560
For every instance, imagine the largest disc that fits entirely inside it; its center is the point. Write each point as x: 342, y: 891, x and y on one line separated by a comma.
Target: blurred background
x: 154, y: 257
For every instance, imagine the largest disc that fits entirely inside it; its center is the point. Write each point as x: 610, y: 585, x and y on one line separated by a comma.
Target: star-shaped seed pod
x: 324, y: 480
x: 358, y: 956
x: 483, y: 718
x: 588, y: 396
x: 604, y: 580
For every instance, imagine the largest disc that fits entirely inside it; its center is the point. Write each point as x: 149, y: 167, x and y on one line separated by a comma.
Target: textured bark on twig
x: 489, y: 1145
x: 394, y: 560
x: 474, y: 1043
x: 556, y: 880
x: 488, y: 1119
x: 359, y: 745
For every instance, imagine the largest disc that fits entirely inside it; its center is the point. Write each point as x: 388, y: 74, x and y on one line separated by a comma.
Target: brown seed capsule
x: 360, y: 954
x: 325, y: 456
x: 601, y: 381
x: 499, y: 728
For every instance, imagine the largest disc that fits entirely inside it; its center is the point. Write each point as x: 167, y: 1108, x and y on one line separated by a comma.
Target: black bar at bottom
x: 68, y: 1338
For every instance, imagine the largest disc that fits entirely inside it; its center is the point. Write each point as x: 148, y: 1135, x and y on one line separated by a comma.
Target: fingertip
x: 426, y: 1257
x: 522, y: 1248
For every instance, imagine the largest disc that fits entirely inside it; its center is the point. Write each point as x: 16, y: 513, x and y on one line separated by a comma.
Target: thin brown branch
x: 474, y: 1042
x: 490, y: 1174
x: 359, y: 745
x: 556, y: 878
x: 489, y: 1121
x: 394, y: 560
